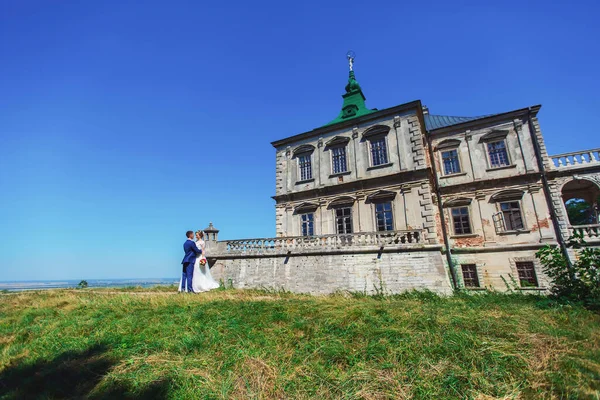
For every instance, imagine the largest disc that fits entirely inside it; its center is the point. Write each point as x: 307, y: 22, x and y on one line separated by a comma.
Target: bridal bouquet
x: 203, y: 261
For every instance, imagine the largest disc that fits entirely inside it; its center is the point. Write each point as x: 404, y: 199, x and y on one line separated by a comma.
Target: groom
x: 191, y: 251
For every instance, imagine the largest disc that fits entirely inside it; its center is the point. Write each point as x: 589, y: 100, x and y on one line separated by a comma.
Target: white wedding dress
x: 202, y: 280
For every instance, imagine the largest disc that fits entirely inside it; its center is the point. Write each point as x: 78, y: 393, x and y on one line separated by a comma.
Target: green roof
x: 354, y: 102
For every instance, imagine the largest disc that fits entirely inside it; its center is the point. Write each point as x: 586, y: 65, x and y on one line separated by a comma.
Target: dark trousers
x: 186, y: 277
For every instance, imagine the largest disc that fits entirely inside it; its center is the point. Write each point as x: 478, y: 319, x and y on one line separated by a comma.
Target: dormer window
x: 303, y: 155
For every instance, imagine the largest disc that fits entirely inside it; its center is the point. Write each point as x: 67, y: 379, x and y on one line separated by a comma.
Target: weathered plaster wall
x: 497, y: 269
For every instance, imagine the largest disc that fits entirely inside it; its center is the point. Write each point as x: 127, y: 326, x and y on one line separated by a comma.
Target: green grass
x: 107, y: 344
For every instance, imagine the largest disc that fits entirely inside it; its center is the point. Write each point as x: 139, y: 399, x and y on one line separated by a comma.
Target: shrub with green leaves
x: 579, y: 282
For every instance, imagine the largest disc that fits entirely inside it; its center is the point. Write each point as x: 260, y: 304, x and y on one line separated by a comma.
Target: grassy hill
x: 105, y: 344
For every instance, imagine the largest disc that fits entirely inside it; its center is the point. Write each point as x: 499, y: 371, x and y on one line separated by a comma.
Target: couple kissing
x: 195, y: 277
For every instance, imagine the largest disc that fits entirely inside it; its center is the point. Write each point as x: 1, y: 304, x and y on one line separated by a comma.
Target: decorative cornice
x: 414, y: 105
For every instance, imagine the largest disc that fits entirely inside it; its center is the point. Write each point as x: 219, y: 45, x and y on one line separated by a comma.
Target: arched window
x: 581, y: 198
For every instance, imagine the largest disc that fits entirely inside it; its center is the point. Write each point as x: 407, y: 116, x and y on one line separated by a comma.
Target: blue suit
x: 191, y: 251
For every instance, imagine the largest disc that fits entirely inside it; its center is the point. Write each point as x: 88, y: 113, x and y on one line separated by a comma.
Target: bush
x: 581, y: 283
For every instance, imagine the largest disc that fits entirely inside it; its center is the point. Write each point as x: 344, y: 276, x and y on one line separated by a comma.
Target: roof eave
x: 351, y: 122
x: 480, y: 121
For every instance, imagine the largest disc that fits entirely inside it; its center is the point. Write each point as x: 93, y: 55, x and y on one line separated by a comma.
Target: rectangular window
x: 383, y: 216
x: 497, y: 153
x: 308, y: 224
x: 511, y: 211
x: 378, y: 151
x: 305, y: 166
x: 526, y: 273
x: 469, y: 272
x: 338, y: 159
x: 450, y: 161
x: 343, y: 220
x: 460, y: 219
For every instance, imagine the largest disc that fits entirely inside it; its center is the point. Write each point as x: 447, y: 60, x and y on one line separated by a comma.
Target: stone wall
x: 330, y: 271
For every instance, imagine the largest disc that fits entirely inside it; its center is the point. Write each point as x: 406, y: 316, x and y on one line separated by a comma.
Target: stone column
x: 468, y: 137
x: 427, y: 211
x: 518, y: 125
x: 486, y: 224
x: 360, y: 197
x: 356, y: 151
x: 399, y: 142
x: 319, y: 151
x: 416, y: 141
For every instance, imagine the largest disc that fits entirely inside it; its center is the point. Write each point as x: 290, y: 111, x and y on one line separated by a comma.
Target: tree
x: 580, y: 212
x: 82, y: 285
x: 581, y: 283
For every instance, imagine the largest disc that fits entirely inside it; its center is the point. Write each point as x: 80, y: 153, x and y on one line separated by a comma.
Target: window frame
x: 443, y: 166
x: 384, y: 139
x: 489, y: 157
x: 349, y: 222
x: 521, y: 216
x: 391, y: 211
x: 514, y: 195
x: 475, y: 278
x: 310, y: 222
x: 447, y: 146
x: 496, y: 136
x: 305, y: 150
x: 534, y: 277
x: 332, y: 161
x: 299, y: 164
x: 451, y: 211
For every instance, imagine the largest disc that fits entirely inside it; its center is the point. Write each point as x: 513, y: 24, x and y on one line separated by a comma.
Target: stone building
x: 400, y: 198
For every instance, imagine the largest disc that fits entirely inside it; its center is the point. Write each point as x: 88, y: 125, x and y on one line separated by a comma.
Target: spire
x: 354, y: 99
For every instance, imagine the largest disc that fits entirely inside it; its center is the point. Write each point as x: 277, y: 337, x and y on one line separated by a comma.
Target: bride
x: 202, y: 280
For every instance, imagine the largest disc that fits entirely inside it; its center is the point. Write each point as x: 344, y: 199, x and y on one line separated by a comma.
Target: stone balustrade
x: 283, y: 245
x: 589, y: 232
x: 577, y: 159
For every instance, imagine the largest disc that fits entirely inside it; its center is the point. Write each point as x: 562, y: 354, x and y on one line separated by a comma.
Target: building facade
x: 403, y: 198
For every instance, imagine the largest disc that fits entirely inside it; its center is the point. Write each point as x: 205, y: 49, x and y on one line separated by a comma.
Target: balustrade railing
x: 578, y: 158
x: 589, y: 232
x: 282, y: 244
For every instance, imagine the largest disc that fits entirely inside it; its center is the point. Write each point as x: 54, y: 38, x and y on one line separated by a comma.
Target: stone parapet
x: 413, y: 239
x: 576, y: 159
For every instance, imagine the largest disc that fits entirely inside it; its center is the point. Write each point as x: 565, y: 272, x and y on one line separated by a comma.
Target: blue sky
x: 123, y: 125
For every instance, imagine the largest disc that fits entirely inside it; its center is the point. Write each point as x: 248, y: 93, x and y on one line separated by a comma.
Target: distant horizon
x: 86, y: 279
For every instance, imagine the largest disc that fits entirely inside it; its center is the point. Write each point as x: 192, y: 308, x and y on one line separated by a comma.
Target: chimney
x: 425, y: 110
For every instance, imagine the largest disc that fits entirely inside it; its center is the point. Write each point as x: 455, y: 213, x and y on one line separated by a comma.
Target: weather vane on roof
x: 351, y: 56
